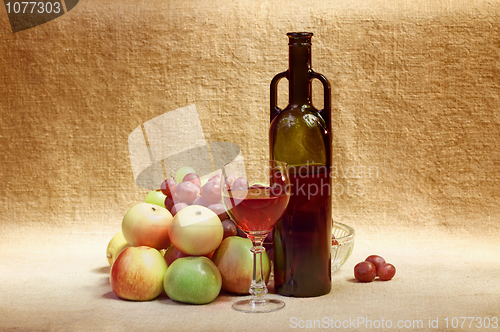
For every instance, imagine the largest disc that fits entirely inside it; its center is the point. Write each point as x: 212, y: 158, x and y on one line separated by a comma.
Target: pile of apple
x: 180, y: 241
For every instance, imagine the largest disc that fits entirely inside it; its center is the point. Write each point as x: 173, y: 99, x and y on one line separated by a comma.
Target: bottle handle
x: 325, y: 112
x: 275, y: 110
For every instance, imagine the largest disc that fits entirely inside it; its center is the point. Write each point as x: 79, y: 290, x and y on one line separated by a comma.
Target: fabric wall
x: 415, y: 96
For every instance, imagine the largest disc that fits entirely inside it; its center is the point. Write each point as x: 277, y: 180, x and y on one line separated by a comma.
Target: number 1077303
x: 33, y: 7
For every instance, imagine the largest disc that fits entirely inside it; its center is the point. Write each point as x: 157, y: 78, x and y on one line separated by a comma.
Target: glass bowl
x: 342, y: 244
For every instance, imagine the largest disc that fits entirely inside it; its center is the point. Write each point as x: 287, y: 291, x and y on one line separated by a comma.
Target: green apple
x: 115, y: 247
x: 234, y: 260
x: 196, y: 230
x: 156, y: 197
x: 147, y: 224
x: 182, y: 172
x: 203, y: 181
x: 137, y: 274
x: 194, y: 280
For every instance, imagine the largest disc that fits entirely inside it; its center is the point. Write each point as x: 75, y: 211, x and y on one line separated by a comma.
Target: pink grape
x: 169, y: 203
x: 386, y: 272
x: 219, y: 209
x: 376, y: 260
x: 192, y: 177
x: 334, y: 242
x: 211, y: 192
x: 215, y: 178
x: 240, y: 233
x: 177, y: 207
x: 187, y: 192
x: 168, y: 187
x: 228, y: 181
x: 365, y: 271
x: 240, y: 183
x: 201, y: 201
x: 229, y: 227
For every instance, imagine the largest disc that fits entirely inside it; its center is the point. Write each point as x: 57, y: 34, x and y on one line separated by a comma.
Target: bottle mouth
x: 299, y: 38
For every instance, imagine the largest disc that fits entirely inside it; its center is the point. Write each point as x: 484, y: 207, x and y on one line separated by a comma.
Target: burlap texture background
x: 415, y: 96
x: 415, y: 93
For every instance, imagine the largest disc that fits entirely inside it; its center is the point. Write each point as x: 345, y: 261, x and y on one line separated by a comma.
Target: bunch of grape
x: 373, y: 266
x: 189, y: 191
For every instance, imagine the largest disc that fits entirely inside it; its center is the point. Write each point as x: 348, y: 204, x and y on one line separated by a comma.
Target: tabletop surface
x: 58, y: 280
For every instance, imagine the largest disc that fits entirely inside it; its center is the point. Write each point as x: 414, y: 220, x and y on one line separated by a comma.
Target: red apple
x: 137, y: 274
x: 147, y: 224
x: 234, y: 260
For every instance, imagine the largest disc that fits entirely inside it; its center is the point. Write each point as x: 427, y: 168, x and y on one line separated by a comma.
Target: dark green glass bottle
x: 300, y: 135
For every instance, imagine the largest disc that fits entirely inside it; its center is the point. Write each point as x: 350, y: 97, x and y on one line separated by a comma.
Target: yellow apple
x: 115, y: 247
x: 147, y: 224
x: 196, y: 230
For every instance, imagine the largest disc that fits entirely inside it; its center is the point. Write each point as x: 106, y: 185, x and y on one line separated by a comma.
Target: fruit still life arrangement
x: 180, y: 241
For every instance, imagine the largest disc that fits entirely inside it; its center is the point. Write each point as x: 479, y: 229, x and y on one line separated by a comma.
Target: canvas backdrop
x: 416, y: 152
x: 415, y: 99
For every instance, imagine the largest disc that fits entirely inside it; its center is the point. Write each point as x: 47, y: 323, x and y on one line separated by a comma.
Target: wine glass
x: 255, y: 194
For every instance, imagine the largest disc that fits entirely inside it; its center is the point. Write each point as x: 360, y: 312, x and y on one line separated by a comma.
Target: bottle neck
x: 299, y: 70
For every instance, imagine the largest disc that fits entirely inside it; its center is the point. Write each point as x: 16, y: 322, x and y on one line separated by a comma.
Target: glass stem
x: 258, y: 286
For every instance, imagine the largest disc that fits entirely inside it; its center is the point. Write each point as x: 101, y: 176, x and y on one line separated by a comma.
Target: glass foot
x: 258, y: 305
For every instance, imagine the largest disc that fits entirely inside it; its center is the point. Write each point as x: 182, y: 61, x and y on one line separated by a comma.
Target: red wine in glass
x: 255, y: 209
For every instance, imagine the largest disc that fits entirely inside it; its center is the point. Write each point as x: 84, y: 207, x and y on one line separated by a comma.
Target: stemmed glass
x: 255, y: 194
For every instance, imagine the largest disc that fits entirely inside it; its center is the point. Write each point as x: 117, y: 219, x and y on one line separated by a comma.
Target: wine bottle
x: 300, y: 135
